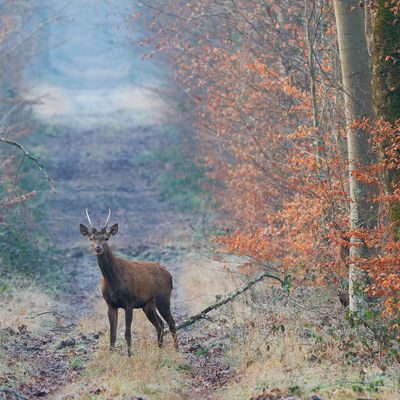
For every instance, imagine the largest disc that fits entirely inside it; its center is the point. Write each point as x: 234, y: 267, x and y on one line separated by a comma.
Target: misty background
x: 90, y: 68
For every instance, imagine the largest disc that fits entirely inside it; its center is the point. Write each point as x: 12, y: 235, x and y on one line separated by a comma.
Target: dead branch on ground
x: 226, y: 299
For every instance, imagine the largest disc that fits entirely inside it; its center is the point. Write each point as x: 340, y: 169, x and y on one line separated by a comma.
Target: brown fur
x: 132, y: 284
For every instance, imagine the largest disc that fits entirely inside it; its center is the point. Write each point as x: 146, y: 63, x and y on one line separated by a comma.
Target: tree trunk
x: 386, y: 80
x: 357, y: 90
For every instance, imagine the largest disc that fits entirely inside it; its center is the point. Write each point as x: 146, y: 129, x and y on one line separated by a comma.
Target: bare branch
x: 56, y: 313
x: 31, y: 157
x: 226, y: 299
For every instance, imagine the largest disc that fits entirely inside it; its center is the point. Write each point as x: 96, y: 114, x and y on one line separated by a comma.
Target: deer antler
x: 108, y: 218
x: 88, y: 218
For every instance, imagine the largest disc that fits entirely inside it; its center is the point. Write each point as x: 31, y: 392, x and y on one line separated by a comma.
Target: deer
x: 131, y: 284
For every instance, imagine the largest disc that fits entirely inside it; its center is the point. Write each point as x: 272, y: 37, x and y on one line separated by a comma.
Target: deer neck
x: 108, y: 265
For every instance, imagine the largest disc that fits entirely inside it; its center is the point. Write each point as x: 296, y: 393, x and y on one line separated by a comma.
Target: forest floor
x: 268, y: 345
x: 110, y: 168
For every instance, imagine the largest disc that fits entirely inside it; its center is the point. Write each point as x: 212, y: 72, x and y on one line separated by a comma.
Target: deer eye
x: 90, y: 238
x: 106, y: 239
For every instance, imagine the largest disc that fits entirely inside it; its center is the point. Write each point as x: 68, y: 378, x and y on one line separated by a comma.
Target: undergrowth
x: 26, y: 248
x: 297, y: 343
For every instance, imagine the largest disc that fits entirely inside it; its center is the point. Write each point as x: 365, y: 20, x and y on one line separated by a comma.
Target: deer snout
x: 98, y: 249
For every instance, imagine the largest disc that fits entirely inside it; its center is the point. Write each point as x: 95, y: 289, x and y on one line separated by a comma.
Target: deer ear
x: 84, y: 230
x: 113, y: 230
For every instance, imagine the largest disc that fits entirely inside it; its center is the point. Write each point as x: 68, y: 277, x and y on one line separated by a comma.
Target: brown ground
x: 109, y: 168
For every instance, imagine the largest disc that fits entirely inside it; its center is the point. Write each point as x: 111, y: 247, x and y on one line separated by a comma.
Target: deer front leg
x: 128, y: 324
x: 113, y: 319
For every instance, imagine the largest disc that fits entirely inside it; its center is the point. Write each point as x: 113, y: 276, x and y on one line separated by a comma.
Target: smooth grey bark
x: 356, y: 77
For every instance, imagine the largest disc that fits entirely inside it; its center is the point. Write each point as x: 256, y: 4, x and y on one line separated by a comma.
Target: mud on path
x: 99, y: 169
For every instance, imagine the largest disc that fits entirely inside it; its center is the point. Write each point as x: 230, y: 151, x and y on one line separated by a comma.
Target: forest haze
x: 235, y: 167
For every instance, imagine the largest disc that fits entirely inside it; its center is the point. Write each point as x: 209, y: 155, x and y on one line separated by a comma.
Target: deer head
x: 98, y: 237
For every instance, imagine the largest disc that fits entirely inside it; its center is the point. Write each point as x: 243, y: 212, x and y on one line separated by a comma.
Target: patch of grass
x: 151, y: 373
x: 19, y: 302
x: 296, y: 344
x: 202, y: 352
x: 301, y: 361
x: 77, y: 363
x: 184, y: 367
x: 183, y: 181
x: 22, y: 299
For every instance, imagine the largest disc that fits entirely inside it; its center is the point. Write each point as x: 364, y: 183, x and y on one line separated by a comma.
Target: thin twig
x: 31, y: 157
x: 53, y: 313
x: 18, y: 171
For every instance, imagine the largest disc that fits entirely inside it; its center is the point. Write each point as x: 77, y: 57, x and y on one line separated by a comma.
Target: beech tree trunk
x: 357, y: 92
x: 385, y: 31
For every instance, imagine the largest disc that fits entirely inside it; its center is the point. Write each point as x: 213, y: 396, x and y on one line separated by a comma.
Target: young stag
x: 131, y: 284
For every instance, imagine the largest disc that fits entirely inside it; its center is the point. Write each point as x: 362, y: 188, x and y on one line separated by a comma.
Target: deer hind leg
x: 113, y: 319
x: 151, y: 313
x: 165, y: 310
x: 128, y: 325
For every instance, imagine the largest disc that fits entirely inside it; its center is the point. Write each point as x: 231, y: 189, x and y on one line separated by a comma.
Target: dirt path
x: 100, y: 169
x: 110, y: 168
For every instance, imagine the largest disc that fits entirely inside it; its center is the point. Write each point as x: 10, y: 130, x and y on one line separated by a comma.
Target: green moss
x: 386, y: 80
x: 385, y: 76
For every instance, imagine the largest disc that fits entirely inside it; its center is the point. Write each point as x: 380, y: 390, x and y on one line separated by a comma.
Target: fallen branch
x: 226, y: 299
x: 56, y: 313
